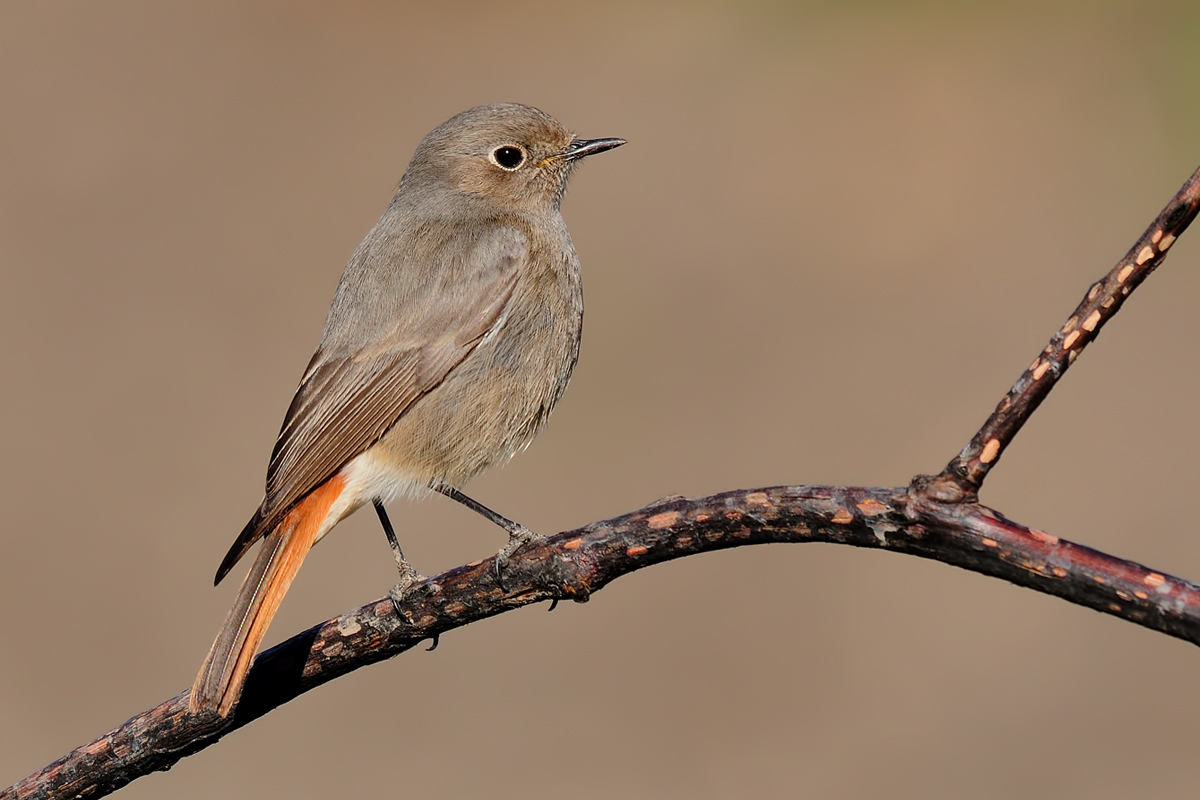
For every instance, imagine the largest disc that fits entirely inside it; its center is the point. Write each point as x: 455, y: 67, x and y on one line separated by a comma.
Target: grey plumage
x: 451, y: 336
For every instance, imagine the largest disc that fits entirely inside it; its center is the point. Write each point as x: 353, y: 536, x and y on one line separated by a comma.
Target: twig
x: 1103, y: 299
x: 934, y: 517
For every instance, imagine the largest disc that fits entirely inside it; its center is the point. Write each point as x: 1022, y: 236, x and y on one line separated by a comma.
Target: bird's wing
x: 352, y: 393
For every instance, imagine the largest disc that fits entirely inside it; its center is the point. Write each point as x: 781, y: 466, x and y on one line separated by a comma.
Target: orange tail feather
x: 219, y: 683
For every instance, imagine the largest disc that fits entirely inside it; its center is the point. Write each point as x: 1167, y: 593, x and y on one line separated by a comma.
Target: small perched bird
x: 452, y: 334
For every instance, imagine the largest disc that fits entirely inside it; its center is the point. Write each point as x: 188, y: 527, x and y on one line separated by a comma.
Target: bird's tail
x: 219, y: 683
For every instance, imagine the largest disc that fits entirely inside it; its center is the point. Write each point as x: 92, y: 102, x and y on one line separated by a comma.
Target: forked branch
x: 936, y: 517
x: 1104, y: 299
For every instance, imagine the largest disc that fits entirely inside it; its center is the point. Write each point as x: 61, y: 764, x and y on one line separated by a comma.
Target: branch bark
x: 936, y: 517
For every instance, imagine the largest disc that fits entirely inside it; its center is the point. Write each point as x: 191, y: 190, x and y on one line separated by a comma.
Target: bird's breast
x: 492, y: 404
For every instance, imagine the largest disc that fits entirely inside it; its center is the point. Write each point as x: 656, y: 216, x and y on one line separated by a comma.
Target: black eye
x: 508, y: 157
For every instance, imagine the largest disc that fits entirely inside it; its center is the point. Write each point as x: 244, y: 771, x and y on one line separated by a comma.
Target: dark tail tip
x: 254, y: 530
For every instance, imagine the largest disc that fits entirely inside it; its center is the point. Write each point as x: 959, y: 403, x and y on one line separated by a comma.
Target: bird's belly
x: 489, y: 407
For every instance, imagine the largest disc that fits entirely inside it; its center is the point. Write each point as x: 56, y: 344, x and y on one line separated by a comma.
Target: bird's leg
x: 518, y: 534
x: 408, y: 575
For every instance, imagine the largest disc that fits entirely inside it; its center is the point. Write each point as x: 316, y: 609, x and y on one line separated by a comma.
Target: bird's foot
x: 409, y: 577
x: 518, y: 537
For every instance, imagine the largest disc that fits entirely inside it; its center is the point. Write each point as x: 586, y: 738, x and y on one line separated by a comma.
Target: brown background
x: 838, y: 233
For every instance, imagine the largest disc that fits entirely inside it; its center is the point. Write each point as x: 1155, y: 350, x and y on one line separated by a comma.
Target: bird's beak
x: 582, y: 148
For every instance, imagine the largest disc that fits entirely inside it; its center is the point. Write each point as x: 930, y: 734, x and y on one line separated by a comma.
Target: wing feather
x: 351, y: 395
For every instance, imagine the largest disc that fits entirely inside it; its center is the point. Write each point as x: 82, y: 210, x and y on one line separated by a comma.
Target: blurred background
x: 838, y: 234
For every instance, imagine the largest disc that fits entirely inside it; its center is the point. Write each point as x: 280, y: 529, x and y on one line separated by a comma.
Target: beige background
x: 837, y: 235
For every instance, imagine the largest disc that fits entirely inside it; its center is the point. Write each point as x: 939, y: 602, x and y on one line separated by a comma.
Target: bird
x: 451, y: 335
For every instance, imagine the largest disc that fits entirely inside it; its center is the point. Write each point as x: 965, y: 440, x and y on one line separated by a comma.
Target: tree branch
x: 1102, y: 301
x: 935, y: 517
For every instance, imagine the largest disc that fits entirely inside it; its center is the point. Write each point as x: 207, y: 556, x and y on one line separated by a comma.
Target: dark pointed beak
x: 582, y: 148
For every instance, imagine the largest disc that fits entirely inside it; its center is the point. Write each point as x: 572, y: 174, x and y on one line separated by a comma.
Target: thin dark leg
x: 479, y: 508
x: 390, y: 533
x: 518, y: 534
x: 408, y: 575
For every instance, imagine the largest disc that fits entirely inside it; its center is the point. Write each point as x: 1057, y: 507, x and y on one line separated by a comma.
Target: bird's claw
x: 517, y: 538
x: 409, y: 578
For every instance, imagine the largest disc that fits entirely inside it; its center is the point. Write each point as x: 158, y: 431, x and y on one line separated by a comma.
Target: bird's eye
x: 509, y: 157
